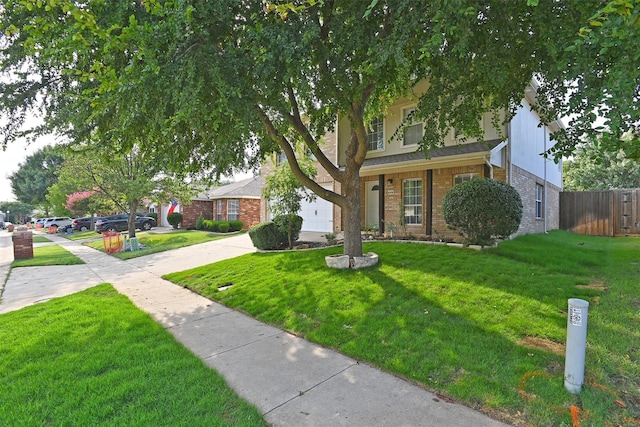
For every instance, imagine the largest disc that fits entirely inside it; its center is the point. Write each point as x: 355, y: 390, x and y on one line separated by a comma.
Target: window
x: 412, y: 131
x: 281, y: 158
x: 219, y: 210
x: 539, y: 201
x: 375, y: 135
x: 233, y: 210
x: 412, y: 200
x: 463, y: 177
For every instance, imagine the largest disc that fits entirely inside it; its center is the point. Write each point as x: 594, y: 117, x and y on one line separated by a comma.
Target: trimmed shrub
x: 211, y: 225
x: 290, y: 225
x: 223, y: 226
x: 483, y: 210
x: 174, y: 218
x: 200, y: 223
x: 235, y: 225
x: 267, y: 236
x: 153, y: 215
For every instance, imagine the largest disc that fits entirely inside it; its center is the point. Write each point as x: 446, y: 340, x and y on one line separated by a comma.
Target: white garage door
x: 317, y: 215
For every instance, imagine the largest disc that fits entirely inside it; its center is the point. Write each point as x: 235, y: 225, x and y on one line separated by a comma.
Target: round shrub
x: 290, y: 225
x: 174, y: 218
x: 483, y: 210
x: 267, y: 236
x: 223, y: 226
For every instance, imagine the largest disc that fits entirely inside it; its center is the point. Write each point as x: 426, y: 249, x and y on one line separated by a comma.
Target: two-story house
x: 399, y: 184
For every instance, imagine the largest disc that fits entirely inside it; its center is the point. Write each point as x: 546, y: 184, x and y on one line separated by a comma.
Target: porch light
x: 389, y: 182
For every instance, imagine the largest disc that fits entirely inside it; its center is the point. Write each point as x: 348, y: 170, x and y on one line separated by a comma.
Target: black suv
x: 119, y: 223
x: 84, y: 224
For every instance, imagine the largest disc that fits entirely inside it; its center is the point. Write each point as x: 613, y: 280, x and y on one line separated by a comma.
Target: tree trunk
x: 133, y: 207
x: 351, y: 215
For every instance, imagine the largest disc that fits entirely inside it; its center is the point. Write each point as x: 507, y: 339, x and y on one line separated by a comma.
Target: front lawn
x: 486, y: 328
x: 93, y: 359
x: 160, y: 242
x: 48, y: 255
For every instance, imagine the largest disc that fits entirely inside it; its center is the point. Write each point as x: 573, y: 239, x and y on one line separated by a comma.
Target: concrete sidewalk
x: 292, y: 381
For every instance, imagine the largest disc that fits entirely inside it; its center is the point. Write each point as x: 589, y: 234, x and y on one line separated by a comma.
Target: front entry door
x: 372, y: 196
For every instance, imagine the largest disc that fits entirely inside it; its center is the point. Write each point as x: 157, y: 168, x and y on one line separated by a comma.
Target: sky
x: 10, y: 159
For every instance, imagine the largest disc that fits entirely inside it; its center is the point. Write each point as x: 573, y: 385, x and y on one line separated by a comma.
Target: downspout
x: 544, y: 190
x: 488, y: 163
x: 509, y: 154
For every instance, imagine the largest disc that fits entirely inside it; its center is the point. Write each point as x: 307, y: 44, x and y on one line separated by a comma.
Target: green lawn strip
x: 92, y: 358
x: 48, y: 255
x: 160, y: 242
x: 476, y: 326
x: 40, y: 239
x: 81, y: 235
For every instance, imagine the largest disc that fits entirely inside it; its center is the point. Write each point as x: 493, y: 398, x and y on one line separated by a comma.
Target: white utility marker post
x: 576, y: 345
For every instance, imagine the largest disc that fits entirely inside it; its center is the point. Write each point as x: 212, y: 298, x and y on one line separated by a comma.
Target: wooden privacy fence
x: 601, y: 213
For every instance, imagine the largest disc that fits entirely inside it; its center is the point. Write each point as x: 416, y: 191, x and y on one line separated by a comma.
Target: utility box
x: 22, y: 243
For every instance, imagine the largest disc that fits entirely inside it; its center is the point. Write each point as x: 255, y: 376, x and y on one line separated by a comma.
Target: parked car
x: 1, y: 225
x: 120, y: 223
x: 84, y: 224
x: 65, y: 229
x: 40, y: 222
x: 57, y: 222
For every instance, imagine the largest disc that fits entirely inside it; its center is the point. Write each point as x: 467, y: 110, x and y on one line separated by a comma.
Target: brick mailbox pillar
x: 22, y: 243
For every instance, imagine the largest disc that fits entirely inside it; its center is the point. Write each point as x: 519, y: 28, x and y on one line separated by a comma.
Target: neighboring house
x: 394, y: 175
x: 236, y: 201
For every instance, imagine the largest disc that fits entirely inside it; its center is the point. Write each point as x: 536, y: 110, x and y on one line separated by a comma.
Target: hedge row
x: 219, y: 226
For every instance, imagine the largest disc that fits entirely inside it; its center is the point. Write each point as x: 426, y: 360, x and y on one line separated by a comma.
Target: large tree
x: 121, y: 180
x: 591, y: 168
x: 211, y: 82
x: 35, y: 175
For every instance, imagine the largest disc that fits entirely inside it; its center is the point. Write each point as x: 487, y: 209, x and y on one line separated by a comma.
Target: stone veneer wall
x: 525, y: 183
x: 442, y: 183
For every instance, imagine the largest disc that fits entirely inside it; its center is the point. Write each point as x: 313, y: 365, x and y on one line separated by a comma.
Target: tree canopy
x: 120, y: 180
x: 219, y: 84
x: 591, y: 168
x: 35, y: 175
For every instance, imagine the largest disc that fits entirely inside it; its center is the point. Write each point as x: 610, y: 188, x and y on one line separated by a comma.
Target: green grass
x: 48, y: 255
x: 160, y: 242
x: 477, y: 326
x: 81, y: 235
x: 93, y: 359
x: 40, y: 239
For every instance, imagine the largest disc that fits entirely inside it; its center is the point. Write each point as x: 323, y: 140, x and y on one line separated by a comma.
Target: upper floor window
x: 233, y: 210
x: 412, y: 200
x: 413, y: 130
x: 464, y: 177
x: 281, y: 158
x: 539, y: 201
x: 375, y: 135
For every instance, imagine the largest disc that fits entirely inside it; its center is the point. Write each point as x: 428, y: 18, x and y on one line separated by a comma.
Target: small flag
x: 173, y: 207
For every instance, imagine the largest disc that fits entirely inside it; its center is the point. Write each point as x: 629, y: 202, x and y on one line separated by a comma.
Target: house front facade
x: 402, y: 190
x: 238, y: 201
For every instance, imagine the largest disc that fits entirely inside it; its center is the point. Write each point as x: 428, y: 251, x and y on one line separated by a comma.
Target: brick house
x: 236, y: 201
x: 395, y: 174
